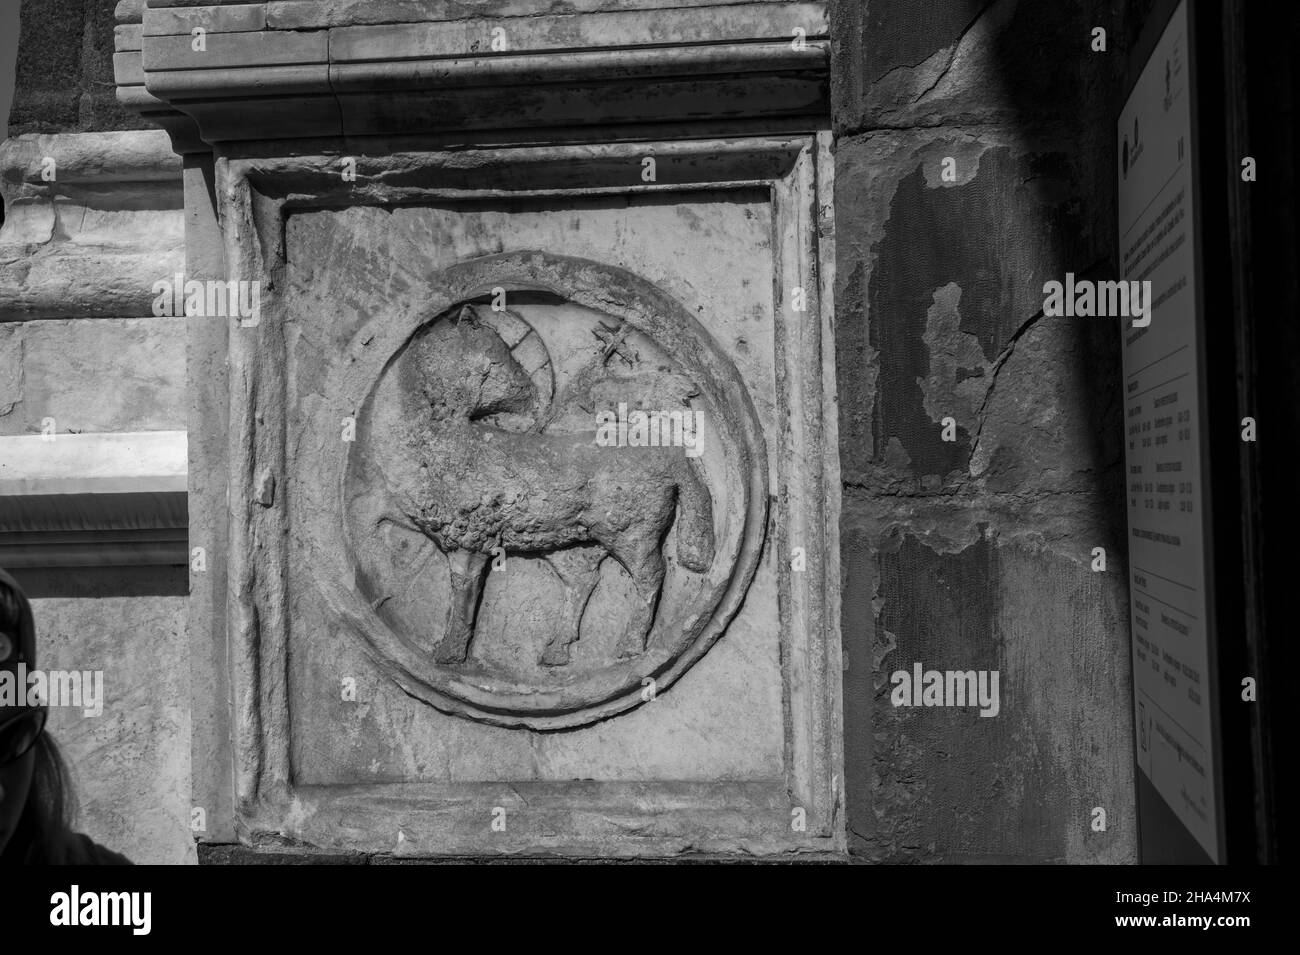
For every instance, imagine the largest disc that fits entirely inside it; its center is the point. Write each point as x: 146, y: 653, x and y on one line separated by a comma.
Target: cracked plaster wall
x: 976, y: 553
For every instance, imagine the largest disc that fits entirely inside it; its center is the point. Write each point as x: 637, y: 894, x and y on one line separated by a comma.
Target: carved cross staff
x: 615, y: 342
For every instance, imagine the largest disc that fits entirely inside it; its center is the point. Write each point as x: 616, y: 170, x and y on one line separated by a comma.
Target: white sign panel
x: 1163, y: 438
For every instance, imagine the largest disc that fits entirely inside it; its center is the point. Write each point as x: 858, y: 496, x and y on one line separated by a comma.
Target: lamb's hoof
x: 449, y: 652
x: 555, y: 655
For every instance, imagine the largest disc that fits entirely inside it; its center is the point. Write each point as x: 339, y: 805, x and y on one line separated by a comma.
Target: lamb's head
x: 467, y: 370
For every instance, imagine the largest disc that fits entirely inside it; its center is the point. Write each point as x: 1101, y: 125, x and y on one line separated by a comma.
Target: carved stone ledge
x: 91, y: 241
x: 311, y: 14
x: 93, y: 500
x: 300, y: 70
x: 128, y: 72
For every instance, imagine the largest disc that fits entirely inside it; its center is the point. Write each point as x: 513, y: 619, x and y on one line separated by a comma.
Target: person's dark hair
x: 43, y: 835
x: 11, y: 609
x: 44, y: 832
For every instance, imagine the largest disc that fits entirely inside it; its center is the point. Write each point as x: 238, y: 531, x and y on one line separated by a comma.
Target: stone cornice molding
x: 92, y: 221
x: 93, y: 500
x: 346, y: 68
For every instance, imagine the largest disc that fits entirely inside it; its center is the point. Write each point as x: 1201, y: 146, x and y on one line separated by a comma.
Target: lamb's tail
x: 694, y: 520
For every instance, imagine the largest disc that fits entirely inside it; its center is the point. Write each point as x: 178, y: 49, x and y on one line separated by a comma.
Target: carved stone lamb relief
x: 579, y: 472
x: 484, y: 489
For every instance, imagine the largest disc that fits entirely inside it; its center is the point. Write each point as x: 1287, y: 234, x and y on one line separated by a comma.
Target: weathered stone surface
x: 385, y: 69
x: 899, y: 64
x: 225, y: 854
x: 92, y: 221
x: 517, y: 625
x: 107, y: 375
x: 301, y: 14
x: 235, y: 50
x: 952, y: 786
x: 528, y: 34
x: 478, y: 457
x: 724, y: 727
x: 207, y: 391
x: 127, y: 37
x: 11, y: 369
x: 975, y: 553
x: 131, y: 764
x: 89, y: 160
x: 218, y: 854
x: 232, y: 18
x: 942, y: 283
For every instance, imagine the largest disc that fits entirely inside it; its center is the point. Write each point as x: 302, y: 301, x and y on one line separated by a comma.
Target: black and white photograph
x: 849, y: 434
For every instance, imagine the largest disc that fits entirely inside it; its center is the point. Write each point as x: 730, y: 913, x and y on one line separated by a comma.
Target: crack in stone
x: 952, y: 55
x: 1002, y: 360
x: 994, y: 370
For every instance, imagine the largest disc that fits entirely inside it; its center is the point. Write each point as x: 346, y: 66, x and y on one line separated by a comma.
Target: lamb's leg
x: 579, y: 571
x: 641, y: 556
x: 467, y: 572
